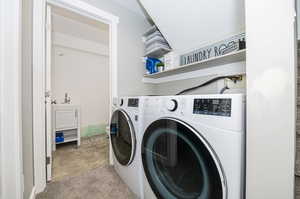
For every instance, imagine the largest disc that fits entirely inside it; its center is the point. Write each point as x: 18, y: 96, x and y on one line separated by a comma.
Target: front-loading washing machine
x: 124, y: 132
x: 193, y: 147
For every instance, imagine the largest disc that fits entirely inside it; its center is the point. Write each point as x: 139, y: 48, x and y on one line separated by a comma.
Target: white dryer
x: 193, y: 147
x: 124, y: 133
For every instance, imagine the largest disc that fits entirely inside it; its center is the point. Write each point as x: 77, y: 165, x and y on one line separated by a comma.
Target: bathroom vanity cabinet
x: 65, y: 124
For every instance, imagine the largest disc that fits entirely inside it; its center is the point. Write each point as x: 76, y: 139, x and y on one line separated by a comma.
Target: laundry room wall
x: 217, y: 20
x: 174, y: 87
x: 80, y: 67
x: 130, y: 48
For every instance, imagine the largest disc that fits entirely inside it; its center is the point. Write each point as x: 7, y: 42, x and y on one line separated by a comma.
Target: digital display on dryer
x: 218, y: 107
x: 133, y: 102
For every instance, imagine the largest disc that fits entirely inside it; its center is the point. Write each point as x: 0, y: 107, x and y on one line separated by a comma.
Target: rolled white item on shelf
x: 156, y: 40
x: 156, y: 46
x: 171, y: 61
x: 153, y: 36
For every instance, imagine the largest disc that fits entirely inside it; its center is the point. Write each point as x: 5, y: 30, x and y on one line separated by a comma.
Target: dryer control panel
x: 219, y: 107
x: 133, y: 102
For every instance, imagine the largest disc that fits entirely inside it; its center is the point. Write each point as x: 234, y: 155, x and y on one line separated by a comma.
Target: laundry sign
x: 234, y: 43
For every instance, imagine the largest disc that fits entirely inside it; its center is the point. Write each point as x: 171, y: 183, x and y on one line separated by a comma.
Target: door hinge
x: 47, y: 94
x: 48, y: 160
x: 22, y: 183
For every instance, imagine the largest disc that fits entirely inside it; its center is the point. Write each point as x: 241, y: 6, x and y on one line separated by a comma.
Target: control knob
x: 172, y: 105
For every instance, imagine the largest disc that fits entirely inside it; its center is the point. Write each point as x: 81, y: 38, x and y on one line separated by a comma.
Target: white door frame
x: 48, y: 97
x: 39, y: 60
x: 11, y: 164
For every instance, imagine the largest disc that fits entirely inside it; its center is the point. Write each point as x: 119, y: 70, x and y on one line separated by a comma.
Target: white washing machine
x: 124, y: 132
x: 193, y: 147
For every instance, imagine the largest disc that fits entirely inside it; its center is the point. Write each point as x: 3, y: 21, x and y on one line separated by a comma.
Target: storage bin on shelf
x: 155, y: 44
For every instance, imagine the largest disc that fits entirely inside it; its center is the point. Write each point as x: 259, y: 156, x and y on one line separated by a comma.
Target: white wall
x: 67, y: 40
x: 130, y: 48
x: 85, y: 77
x: 11, y: 170
x: 271, y: 94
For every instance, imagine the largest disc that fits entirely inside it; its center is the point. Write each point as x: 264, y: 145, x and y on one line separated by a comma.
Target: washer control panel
x: 219, y: 107
x: 133, y: 102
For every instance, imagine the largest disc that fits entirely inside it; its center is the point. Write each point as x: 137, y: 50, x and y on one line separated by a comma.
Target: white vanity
x: 65, y: 124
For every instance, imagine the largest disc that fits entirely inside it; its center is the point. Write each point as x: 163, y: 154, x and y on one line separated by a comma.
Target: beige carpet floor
x: 100, y: 183
x: 84, y: 173
x: 70, y: 160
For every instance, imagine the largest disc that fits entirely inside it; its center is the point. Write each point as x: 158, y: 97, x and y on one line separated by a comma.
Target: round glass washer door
x: 179, y: 164
x: 122, y: 137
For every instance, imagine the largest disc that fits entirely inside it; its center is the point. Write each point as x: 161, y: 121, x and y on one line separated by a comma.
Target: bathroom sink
x: 65, y: 105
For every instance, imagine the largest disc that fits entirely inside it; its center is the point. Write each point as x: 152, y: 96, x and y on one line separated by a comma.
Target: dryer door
x: 179, y: 163
x: 122, y: 137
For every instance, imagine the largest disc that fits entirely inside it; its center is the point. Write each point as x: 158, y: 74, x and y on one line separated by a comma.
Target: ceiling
x: 132, y: 5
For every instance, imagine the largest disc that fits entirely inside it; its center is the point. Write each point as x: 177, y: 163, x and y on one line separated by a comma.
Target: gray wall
x: 298, y: 18
x: 130, y: 48
x: 27, y: 114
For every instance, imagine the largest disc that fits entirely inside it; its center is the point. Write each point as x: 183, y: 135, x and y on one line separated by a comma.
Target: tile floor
x: 84, y: 173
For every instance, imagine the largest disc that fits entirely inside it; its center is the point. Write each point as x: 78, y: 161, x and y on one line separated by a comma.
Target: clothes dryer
x: 193, y: 147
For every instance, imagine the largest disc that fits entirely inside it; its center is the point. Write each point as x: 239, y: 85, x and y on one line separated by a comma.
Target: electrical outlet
x: 236, y: 84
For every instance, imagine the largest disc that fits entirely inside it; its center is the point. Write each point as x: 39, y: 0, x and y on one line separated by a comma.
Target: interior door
x: 48, y: 95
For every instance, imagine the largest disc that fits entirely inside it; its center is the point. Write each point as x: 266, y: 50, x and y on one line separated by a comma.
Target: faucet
x: 67, y: 99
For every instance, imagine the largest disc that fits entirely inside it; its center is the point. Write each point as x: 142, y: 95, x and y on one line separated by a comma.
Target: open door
x: 48, y: 96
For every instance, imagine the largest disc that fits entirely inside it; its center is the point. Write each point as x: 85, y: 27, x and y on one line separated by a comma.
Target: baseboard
x: 32, y: 195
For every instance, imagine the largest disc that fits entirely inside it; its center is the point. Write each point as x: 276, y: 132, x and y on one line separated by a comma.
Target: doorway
x: 77, y: 87
x: 42, y: 66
